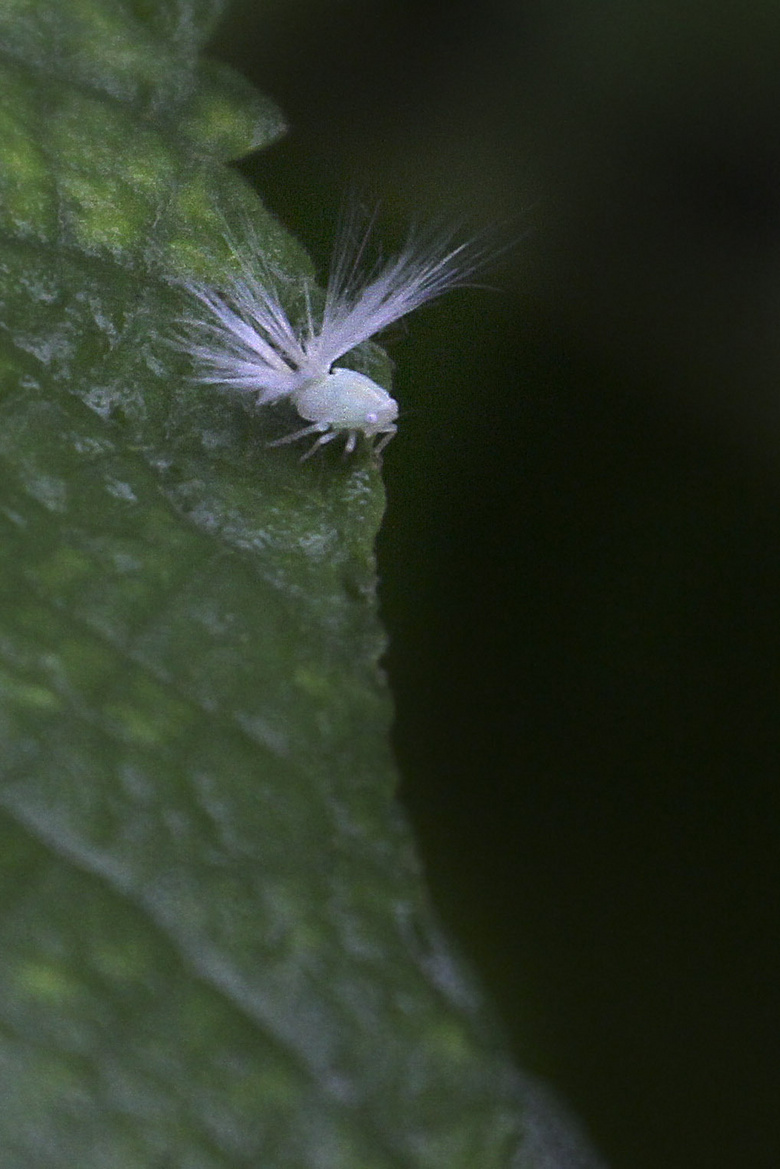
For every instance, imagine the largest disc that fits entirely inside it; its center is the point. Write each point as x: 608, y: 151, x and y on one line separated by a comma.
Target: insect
x: 247, y: 341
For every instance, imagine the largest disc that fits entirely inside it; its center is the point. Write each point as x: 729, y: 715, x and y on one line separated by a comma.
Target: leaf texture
x: 215, y: 945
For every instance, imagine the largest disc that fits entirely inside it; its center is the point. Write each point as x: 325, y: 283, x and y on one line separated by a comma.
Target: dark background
x: 581, y: 561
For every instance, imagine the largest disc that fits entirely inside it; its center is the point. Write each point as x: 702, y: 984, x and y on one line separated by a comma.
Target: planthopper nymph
x: 245, y: 339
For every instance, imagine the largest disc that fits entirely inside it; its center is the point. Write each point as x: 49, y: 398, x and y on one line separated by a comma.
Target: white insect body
x: 247, y: 341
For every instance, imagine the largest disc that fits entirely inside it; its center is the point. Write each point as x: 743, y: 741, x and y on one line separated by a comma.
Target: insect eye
x: 371, y: 417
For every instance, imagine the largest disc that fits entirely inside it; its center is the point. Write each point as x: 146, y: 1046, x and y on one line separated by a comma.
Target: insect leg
x: 384, y: 440
x: 296, y: 434
x: 327, y: 437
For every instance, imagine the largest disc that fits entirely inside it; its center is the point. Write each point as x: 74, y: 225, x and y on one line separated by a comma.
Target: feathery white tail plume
x: 246, y: 340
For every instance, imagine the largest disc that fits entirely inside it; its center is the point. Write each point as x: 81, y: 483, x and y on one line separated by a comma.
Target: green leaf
x: 215, y: 944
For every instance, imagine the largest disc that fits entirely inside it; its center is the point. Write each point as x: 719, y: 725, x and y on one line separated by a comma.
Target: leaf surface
x: 215, y: 944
